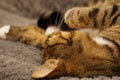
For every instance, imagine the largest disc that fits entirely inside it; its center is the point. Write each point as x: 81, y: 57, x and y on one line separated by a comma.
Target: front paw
x: 57, y: 38
x: 53, y: 39
x: 3, y: 31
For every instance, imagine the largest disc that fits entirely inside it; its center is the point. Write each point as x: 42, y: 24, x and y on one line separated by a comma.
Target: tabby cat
x: 80, y: 52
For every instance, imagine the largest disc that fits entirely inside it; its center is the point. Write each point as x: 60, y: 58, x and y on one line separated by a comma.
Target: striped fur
x: 93, y: 17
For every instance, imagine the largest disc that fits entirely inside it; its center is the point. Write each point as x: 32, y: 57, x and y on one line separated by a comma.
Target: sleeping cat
x: 79, y: 52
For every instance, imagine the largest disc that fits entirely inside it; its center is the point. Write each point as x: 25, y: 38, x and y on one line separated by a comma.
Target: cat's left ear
x: 50, y: 69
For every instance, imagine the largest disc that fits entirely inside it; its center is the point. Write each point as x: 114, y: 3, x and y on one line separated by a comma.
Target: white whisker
x: 60, y: 22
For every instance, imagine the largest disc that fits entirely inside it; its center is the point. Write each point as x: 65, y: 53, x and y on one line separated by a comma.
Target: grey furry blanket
x: 17, y: 60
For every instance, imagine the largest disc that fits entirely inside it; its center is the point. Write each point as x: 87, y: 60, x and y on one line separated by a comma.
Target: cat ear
x: 50, y: 69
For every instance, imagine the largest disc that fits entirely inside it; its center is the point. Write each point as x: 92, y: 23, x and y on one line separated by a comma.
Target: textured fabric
x: 17, y: 60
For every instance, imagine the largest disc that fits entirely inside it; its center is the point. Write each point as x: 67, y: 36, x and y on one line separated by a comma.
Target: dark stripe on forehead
x: 114, y: 9
x: 104, y: 17
x: 114, y: 20
x: 114, y: 42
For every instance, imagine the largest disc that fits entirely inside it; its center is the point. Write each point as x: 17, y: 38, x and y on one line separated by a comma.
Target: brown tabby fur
x: 75, y: 53
x: 93, y: 17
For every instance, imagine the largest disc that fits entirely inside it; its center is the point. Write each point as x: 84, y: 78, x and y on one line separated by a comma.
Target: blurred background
x: 24, y: 12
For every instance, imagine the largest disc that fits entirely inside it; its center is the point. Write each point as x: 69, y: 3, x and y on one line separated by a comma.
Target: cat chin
x: 3, y: 31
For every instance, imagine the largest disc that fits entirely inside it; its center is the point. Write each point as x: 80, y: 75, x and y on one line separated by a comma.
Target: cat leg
x: 28, y: 34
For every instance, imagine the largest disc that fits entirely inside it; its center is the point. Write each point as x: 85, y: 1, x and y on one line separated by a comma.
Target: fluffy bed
x: 17, y: 60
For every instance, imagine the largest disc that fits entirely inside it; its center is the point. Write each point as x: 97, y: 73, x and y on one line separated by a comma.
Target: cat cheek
x: 3, y: 31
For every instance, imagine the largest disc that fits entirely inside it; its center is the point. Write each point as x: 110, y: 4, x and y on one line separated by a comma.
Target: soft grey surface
x: 17, y: 60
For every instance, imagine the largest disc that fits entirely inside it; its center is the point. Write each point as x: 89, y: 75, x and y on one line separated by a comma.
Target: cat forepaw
x: 3, y: 31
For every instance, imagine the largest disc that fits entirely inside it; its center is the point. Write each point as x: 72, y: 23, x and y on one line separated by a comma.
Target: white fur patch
x: 50, y: 30
x: 91, y: 32
x: 3, y: 31
x: 101, y: 40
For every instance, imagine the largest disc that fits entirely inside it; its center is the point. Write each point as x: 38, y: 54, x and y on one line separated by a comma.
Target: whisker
x: 56, y: 20
x: 50, y: 22
x: 60, y: 22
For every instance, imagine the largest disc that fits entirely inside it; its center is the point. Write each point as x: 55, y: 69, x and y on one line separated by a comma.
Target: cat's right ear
x: 52, y: 68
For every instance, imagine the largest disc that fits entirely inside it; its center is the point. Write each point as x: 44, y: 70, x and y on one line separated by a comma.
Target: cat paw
x: 53, y: 38
x: 57, y: 38
x: 3, y: 31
